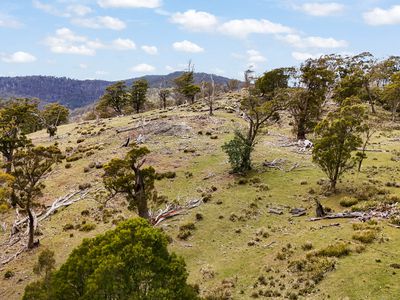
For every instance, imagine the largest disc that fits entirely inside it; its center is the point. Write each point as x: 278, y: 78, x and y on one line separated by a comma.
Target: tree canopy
x: 130, y: 262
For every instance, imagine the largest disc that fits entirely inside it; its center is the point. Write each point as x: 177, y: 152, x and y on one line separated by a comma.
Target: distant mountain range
x: 78, y: 93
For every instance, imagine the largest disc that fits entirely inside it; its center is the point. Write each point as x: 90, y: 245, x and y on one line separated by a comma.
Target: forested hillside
x: 77, y: 93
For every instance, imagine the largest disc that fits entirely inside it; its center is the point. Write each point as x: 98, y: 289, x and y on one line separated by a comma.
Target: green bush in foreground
x: 130, y: 262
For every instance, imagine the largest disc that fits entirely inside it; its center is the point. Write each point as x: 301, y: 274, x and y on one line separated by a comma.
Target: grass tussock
x: 339, y: 249
x: 365, y: 236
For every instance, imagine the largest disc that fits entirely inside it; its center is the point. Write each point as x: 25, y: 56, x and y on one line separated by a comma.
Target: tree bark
x: 31, y: 226
x: 140, y: 193
x: 301, y: 131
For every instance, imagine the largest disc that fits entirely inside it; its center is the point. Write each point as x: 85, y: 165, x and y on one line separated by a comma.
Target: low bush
x: 365, y: 236
x: 348, y: 201
x: 334, y: 250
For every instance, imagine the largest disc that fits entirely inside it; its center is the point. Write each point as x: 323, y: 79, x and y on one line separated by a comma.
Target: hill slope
x: 78, y: 93
x: 237, y: 246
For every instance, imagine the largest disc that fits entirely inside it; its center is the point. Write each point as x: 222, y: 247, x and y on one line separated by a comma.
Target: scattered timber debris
x: 17, y: 232
x: 297, y: 212
x: 275, y: 211
x: 172, y: 210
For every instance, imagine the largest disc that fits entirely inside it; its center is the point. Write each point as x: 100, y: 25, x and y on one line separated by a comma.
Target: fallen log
x: 370, y: 150
x: 173, y: 210
x: 275, y: 211
x: 349, y: 215
x: 12, y: 257
x: 392, y: 225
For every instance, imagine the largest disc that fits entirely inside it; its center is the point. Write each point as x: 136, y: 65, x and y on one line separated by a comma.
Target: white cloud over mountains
x: 195, y: 20
x: 142, y: 68
x: 100, y: 22
x: 241, y: 28
x: 19, y: 57
x: 129, y: 3
x: 320, y: 9
x: 187, y: 46
x: 200, y: 21
x: 313, y: 42
x: 7, y: 21
x: 380, y: 16
x: 65, y: 41
x: 124, y: 44
x: 151, y: 50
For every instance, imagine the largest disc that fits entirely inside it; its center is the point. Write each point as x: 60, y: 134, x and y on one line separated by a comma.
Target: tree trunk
x: 165, y: 104
x: 301, y: 132
x: 211, y: 110
x: 31, y: 225
x: 8, y: 163
x: 140, y: 193
x: 333, y: 185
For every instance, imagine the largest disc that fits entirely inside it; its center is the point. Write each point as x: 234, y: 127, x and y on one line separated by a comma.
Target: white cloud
x: 313, y: 42
x: 101, y: 72
x: 302, y: 56
x: 9, y: 21
x: 48, y: 8
x: 142, y: 68
x: 19, y: 57
x: 171, y: 69
x: 123, y: 44
x: 79, y: 10
x: 379, y: 16
x: 321, y: 9
x: 130, y: 3
x: 152, y: 50
x: 255, y: 56
x: 186, y: 46
x: 67, y: 42
x: 195, y: 20
x: 219, y: 71
x: 100, y: 22
x: 83, y: 66
x: 242, y: 28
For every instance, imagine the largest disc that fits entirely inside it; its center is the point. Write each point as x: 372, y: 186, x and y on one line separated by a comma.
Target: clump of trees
x: 130, y: 262
x: 119, y: 99
x: 128, y: 177
x: 185, y: 88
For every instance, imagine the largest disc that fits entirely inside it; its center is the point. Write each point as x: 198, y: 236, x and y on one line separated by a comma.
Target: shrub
x: 395, y: 220
x: 3, y: 207
x: 188, y: 226
x: 87, y: 227
x: 307, y: 246
x: 68, y: 165
x: 239, y: 153
x: 74, y: 157
x: 348, y: 201
x: 365, y: 236
x: 68, y: 226
x: 84, y: 186
x: 45, y: 263
x: 8, y: 274
x: 184, y: 234
x: 334, y: 250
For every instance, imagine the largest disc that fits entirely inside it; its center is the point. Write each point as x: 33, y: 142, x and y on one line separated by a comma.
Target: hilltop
x: 75, y: 93
x: 244, y: 240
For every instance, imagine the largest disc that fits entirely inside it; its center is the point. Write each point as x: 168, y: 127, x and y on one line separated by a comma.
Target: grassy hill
x: 238, y: 247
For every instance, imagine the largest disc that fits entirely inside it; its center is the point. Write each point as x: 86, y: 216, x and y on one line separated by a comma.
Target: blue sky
x: 119, y: 39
